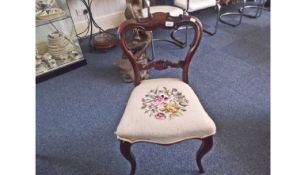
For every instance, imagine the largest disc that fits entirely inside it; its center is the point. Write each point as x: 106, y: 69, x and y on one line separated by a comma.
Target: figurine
x: 47, y: 58
x: 51, y: 63
x: 45, y: 10
x: 58, y: 45
x: 140, y: 42
x: 74, y: 55
x: 40, y: 66
x: 44, y: 4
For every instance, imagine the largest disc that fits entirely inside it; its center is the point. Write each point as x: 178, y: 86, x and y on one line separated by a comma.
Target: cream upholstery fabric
x: 173, y: 11
x: 136, y: 125
x: 195, y: 5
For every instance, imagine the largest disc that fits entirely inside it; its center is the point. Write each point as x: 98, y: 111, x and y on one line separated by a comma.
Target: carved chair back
x: 161, y: 20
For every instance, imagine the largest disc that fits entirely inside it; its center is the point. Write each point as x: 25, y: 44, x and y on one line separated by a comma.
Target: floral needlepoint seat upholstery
x: 164, y: 111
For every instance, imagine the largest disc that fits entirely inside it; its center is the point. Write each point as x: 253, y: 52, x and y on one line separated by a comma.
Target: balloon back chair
x: 163, y: 111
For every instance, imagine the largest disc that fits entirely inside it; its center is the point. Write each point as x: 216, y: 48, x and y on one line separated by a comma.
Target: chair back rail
x: 161, y: 20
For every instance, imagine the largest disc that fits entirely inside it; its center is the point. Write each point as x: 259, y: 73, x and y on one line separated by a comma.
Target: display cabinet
x: 57, y: 46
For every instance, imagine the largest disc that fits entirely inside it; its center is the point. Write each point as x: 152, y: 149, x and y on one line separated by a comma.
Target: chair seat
x: 173, y: 11
x: 164, y: 111
x: 195, y: 5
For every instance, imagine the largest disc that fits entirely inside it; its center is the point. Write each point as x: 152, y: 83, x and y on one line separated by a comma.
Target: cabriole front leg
x: 126, y: 152
x: 205, y: 147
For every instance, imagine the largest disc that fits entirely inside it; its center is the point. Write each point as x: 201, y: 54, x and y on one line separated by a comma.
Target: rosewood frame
x: 159, y: 20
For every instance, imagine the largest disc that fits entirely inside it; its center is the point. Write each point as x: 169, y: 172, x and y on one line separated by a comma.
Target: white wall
x: 107, y: 13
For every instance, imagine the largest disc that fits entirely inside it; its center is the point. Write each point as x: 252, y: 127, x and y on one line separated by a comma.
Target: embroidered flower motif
x: 159, y: 100
x: 164, y: 103
x: 171, y: 108
x: 160, y: 116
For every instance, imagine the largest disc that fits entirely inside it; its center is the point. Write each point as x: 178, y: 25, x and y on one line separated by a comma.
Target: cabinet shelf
x: 61, y: 64
x: 58, y: 71
x: 47, y: 22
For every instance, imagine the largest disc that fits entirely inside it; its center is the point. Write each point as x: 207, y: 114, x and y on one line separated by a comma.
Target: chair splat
x: 163, y: 64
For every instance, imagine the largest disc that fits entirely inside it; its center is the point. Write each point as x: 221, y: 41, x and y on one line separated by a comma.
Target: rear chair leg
x: 205, y: 147
x: 126, y: 152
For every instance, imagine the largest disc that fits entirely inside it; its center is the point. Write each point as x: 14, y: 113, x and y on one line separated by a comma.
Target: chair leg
x: 240, y: 13
x: 173, y: 41
x: 153, y: 49
x: 126, y: 152
x: 258, y: 13
x: 181, y: 44
x: 218, y: 8
x: 205, y: 147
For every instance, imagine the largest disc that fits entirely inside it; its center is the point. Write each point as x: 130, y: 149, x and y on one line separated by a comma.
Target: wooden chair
x: 163, y: 111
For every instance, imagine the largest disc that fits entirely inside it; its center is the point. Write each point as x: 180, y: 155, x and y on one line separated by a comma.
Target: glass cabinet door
x: 57, y: 45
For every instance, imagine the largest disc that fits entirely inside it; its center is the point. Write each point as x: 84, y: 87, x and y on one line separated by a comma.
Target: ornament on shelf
x: 45, y: 10
x: 74, y: 55
x: 40, y: 66
x: 59, y: 46
x: 51, y: 63
x: 44, y: 4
